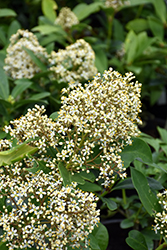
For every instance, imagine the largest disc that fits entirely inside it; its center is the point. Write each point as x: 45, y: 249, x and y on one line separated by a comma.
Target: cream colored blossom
x: 44, y: 213
x: 115, y: 4
x: 18, y: 64
x: 66, y: 18
x: 74, y: 64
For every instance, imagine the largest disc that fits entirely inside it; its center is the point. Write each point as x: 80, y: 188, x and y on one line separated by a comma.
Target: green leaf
x: 147, y: 197
x: 41, y: 166
x: 4, y: 85
x: 127, y: 223
x: 131, y: 46
x: 154, y: 142
x: 160, y: 8
x: 90, y: 187
x: 124, y: 184
x: 156, y: 27
x: 163, y: 134
x: 88, y: 176
x: 47, y: 29
x: 15, y: 154
x: 65, y: 174
x: 139, y: 2
x: 110, y: 203
x: 77, y: 178
x: 138, y: 149
x: 101, y: 60
x: 7, y: 12
x: 3, y: 39
x: 21, y: 87
x: 84, y: 10
x: 13, y: 28
x: 39, y: 96
x: 35, y: 59
x: 100, y: 238
x: 136, y: 240
x: 2, y: 202
x: 137, y: 25
x: 54, y: 116
x: 48, y: 9
x: 3, y: 246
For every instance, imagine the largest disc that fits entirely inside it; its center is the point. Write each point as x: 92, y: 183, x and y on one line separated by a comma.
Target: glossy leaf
x: 20, y: 88
x: 39, y: 96
x: 156, y: 27
x: 4, y: 85
x: 131, y: 46
x: 7, y: 12
x: 127, y: 223
x: 137, y: 25
x: 88, y: 176
x: 54, y: 116
x: 147, y: 197
x: 138, y: 149
x: 13, y: 28
x: 84, y: 10
x: 110, y: 203
x: 17, y: 153
x: 163, y: 134
x: 160, y: 8
x: 77, y: 178
x: 47, y: 29
x: 90, y: 187
x: 48, y: 8
x: 65, y: 174
x: 3, y: 246
x: 100, y: 238
x: 136, y: 240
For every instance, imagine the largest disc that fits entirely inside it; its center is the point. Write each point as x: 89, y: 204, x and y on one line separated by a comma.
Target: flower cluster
x: 74, y: 64
x: 161, y: 217
x: 44, y: 214
x: 34, y: 125
x: 18, y: 62
x: 5, y: 144
x: 66, y: 18
x: 115, y: 4
x: 102, y: 115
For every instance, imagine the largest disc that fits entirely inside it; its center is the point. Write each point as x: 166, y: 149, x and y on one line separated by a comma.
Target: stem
x: 162, y: 246
x: 110, y: 22
x: 124, y: 196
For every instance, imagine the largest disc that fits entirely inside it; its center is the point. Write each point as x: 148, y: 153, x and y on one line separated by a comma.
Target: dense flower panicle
x: 100, y: 117
x: 161, y: 217
x: 74, y: 64
x: 5, y: 144
x: 66, y: 18
x: 18, y: 63
x: 34, y: 125
x: 115, y: 4
x: 44, y: 213
x: 104, y: 113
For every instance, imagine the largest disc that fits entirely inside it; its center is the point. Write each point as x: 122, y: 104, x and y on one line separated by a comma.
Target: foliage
x: 89, y: 141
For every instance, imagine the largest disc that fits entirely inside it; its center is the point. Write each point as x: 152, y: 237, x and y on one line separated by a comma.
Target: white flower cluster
x: 74, y: 64
x: 34, y: 125
x: 103, y: 114
x: 66, y: 18
x: 99, y: 117
x: 115, y: 4
x: 18, y: 62
x: 44, y: 214
x: 5, y: 144
x: 161, y: 217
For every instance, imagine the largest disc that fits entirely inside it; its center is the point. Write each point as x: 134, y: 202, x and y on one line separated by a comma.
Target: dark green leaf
x: 47, y: 29
x: 4, y: 85
x: 110, y: 204
x: 123, y: 184
x: 138, y: 149
x: 127, y: 223
x: 65, y: 174
x: 39, y: 96
x: 100, y: 238
x: 156, y: 27
x: 3, y: 246
x: 77, y: 178
x: 90, y: 187
x: 136, y: 240
x: 160, y: 8
x: 88, y: 176
x: 147, y: 197
x: 101, y: 60
x: 163, y: 134
x: 35, y: 59
x: 13, y: 28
